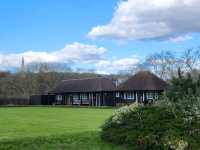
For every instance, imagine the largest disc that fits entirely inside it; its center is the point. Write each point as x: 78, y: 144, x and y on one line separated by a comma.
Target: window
x: 156, y: 95
x: 124, y: 95
x: 59, y: 97
x: 75, y: 97
x: 117, y: 94
x: 129, y: 96
x: 150, y: 95
x: 84, y: 96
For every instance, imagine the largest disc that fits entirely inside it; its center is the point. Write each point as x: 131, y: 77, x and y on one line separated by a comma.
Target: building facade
x: 91, y: 91
x: 143, y: 87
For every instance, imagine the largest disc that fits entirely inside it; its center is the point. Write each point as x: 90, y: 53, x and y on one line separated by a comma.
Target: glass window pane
x: 150, y: 95
x: 117, y: 94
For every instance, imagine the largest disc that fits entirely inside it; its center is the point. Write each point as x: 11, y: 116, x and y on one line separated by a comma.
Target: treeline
x: 25, y: 84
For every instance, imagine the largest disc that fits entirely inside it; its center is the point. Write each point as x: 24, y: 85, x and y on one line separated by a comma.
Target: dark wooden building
x: 91, y: 91
x: 143, y: 87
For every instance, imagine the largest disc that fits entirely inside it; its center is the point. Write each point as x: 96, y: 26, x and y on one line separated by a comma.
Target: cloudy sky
x: 107, y: 35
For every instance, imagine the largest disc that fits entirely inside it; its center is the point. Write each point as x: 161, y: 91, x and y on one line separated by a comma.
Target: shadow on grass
x: 80, y: 141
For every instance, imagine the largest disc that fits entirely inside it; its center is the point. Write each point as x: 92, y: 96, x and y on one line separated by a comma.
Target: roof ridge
x: 144, y: 80
x: 84, y: 79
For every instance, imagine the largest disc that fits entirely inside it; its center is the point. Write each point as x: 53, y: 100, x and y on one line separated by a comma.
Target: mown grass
x: 35, y: 128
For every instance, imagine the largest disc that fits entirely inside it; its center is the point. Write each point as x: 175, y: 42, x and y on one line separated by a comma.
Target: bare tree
x: 48, y: 67
x: 190, y: 59
x: 163, y: 64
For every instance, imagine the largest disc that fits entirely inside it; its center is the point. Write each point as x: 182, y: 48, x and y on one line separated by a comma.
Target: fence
x: 14, y: 101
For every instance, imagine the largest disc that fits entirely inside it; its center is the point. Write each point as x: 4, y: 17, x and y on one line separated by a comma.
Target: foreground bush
x: 172, y: 123
x: 149, y: 127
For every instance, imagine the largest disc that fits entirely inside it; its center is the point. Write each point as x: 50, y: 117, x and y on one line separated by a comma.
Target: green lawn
x: 53, y: 128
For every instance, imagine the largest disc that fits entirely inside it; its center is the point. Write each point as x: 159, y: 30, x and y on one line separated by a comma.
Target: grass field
x: 53, y: 128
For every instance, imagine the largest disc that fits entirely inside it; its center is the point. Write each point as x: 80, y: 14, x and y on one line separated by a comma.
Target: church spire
x: 23, y: 63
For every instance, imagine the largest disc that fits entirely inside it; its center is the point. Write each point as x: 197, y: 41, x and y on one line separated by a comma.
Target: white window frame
x: 156, y: 96
x: 75, y: 97
x: 118, y: 94
x: 150, y: 95
x: 59, y: 98
x: 124, y: 95
x: 129, y: 96
x: 84, y: 96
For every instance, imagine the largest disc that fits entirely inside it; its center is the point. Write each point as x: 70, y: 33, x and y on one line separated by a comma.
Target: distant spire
x: 23, y: 63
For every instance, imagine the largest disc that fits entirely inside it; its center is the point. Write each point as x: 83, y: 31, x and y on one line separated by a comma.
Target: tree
x: 163, y: 64
x: 183, y: 98
x: 190, y: 59
x: 48, y: 67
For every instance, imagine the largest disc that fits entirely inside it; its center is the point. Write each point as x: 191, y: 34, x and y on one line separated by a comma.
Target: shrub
x: 147, y: 127
x: 171, y: 123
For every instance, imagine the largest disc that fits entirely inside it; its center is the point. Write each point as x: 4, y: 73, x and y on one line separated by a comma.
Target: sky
x: 107, y: 36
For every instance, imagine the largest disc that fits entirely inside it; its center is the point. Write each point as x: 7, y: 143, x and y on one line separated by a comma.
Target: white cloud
x: 75, y: 52
x: 179, y: 39
x: 150, y: 19
x: 81, y: 55
x: 116, y: 65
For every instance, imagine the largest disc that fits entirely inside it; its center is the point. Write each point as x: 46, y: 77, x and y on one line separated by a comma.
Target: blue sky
x: 37, y: 29
x: 49, y: 24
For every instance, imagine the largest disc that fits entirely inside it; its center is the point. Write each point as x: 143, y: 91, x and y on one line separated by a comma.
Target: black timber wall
x: 42, y: 99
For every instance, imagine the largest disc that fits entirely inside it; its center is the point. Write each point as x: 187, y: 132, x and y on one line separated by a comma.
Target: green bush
x: 171, y: 123
x: 147, y: 127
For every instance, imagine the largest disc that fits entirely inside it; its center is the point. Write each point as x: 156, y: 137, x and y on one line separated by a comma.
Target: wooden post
x: 79, y: 99
x: 96, y: 100
x: 136, y: 97
x: 143, y: 96
x: 100, y: 100
x: 89, y: 98
x: 92, y: 99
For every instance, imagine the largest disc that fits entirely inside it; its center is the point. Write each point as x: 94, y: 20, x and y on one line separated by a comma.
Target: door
x: 140, y: 97
x: 98, y: 99
x: 71, y: 99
